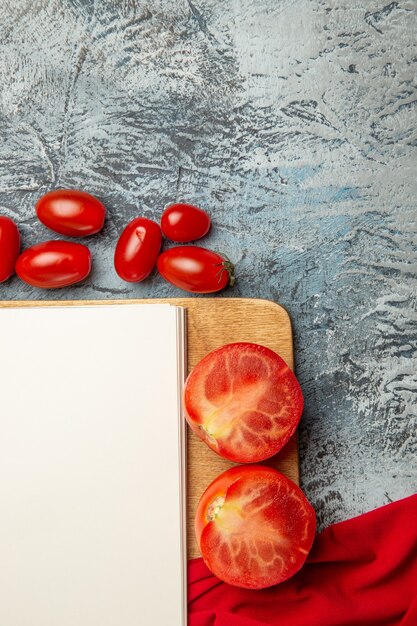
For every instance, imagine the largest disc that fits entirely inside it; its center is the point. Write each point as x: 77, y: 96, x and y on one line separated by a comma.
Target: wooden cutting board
x: 213, y: 322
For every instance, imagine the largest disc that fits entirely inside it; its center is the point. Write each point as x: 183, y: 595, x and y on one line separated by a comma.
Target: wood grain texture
x: 212, y: 322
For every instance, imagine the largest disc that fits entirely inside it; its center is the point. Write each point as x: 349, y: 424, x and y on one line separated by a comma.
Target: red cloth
x: 362, y: 572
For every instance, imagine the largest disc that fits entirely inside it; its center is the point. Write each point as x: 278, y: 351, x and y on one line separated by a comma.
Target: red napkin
x: 360, y: 572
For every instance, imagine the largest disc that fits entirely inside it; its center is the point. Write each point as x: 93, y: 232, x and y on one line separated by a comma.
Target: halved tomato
x: 254, y: 527
x: 243, y: 401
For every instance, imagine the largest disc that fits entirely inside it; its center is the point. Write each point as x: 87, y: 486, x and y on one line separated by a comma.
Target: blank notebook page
x: 92, y: 466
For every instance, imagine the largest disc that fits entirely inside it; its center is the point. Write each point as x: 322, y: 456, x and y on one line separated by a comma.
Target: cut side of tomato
x: 243, y: 401
x: 254, y: 527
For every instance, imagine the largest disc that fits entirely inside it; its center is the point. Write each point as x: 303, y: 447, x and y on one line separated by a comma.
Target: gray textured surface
x: 294, y: 123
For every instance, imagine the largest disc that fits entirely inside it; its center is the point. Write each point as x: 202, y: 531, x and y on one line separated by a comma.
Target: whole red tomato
x: 137, y: 249
x: 71, y: 212
x: 254, y: 527
x: 54, y: 264
x: 243, y: 401
x: 184, y: 222
x: 9, y: 247
x: 195, y: 269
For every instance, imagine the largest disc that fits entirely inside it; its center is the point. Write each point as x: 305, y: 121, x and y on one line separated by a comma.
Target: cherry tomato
x: 54, y: 264
x: 254, y: 527
x: 243, y: 401
x: 184, y: 222
x: 137, y: 249
x: 9, y: 247
x: 197, y: 270
x: 71, y: 212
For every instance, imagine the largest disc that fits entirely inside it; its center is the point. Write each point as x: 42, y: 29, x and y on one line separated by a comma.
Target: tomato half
x: 137, y: 249
x: 71, y: 212
x: 195, y: 269
x: 9, y: 247
x: 254, y: 527
x: 184, y: 222
x: 54, y: 264
x: 243, y: 401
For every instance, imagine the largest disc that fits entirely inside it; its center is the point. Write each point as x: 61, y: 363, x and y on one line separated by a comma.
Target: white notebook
x: 92, y: 466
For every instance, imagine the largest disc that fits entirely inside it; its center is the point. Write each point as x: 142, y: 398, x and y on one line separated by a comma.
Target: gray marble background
x: 293, y: 122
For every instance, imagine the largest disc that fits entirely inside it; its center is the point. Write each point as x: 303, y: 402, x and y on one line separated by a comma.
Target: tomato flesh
x: 71, y: 212
x: 9, y: 247
x: 137, y: 249
x: 243, y: 401
x: 184, y: 222
x: 195, y: 269
x: 54, y: 264
x: 254, y: 527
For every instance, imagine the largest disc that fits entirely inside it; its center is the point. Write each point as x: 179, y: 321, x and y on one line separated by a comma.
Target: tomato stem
x: 226, y: 266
